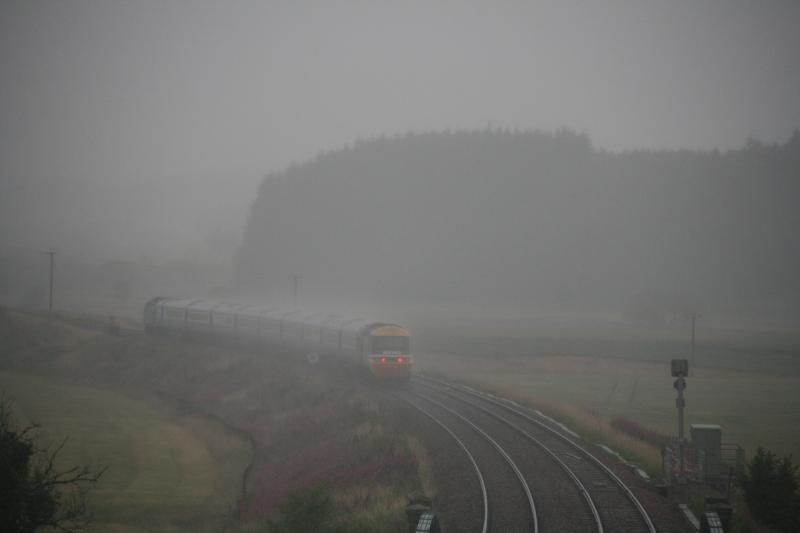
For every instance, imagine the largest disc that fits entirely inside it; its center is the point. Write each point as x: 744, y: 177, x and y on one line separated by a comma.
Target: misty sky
x: 142, y: 128
x: 107, y: 90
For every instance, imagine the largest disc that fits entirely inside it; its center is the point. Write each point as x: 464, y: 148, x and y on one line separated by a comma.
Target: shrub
x: 305, y: 510
x: 771, y: 490
x: 309, y: 511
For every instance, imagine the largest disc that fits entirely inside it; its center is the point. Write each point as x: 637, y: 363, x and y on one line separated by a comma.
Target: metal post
x: 694, y: 318
x: 680, y: 403
x: 730, y: 479
x: 680, y: 369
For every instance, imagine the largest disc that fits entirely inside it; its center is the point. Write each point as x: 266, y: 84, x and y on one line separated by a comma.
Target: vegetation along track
x: 572, y: 489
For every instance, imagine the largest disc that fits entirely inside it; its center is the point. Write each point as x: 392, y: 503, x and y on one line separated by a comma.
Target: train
x: 382, y: 348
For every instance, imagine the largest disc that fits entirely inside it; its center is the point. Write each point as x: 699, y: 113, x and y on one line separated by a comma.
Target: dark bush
x: 305, y: 511
x: 771, y: 490
x: 310, y: 510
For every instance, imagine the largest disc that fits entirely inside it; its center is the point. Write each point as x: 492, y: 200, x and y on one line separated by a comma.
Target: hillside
x: 531, y: 220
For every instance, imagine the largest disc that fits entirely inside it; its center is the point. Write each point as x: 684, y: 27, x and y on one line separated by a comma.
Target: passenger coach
x: 381, y: 347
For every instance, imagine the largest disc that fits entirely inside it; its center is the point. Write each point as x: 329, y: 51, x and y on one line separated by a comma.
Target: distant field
x: 746, y: 381
x: 160, y: 476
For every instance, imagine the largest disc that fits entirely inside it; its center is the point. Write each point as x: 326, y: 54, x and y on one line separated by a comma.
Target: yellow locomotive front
x: 388, y: 352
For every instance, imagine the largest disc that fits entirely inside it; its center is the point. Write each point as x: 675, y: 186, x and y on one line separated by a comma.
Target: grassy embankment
x: 158, y: 471
x: 589, y: 372
x: 171, y: 419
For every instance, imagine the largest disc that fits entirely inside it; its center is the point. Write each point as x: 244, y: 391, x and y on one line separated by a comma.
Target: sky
x: 133, y: 90
x: 118, y: 92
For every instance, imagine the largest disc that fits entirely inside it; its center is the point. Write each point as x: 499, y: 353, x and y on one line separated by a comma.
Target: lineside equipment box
x: 708, y: 437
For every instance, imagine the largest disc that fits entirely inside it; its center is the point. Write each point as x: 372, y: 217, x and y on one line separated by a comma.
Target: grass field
x: 746, y: 381
x: 160, y: 476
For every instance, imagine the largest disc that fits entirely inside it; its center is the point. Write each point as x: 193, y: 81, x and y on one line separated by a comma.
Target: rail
x: 620, y: 484
x: 570, y: 473
x: 484, y: 494
x: 502, y: 453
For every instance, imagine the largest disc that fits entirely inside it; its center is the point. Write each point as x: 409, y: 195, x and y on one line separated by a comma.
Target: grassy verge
x: 588, y: 373
x: 583, y: 421
x: 308, y: 427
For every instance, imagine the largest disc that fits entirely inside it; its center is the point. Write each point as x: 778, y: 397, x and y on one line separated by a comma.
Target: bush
x: 305, y: 511
x: 310, y: 511
x: 771, y: 490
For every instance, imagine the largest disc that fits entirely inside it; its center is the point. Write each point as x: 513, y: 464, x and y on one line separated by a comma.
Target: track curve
x: 510, y: 501
x: 607, y: 505
x: 479, y: 475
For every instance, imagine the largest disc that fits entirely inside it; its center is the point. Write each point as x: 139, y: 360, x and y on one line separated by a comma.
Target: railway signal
x: 680, y: 369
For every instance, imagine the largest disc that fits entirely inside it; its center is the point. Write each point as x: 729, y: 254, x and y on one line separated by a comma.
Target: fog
x: 139, y: 133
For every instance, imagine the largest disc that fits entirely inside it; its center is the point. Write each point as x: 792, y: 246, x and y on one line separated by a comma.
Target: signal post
x: 680, y: 369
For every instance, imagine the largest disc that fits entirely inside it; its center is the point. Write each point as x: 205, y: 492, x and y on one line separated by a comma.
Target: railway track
x: 508, y: 503
x: 535, y: 477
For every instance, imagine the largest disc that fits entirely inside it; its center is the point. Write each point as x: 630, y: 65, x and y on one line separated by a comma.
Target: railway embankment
x: 266, y: 426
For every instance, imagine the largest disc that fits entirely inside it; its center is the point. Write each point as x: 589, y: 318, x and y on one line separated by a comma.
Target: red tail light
x: 399, y: 359
x: 383, y: 359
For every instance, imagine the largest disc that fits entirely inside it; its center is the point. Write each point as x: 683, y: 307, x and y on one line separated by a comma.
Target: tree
x: 771, y: 490
x: 33, y: 491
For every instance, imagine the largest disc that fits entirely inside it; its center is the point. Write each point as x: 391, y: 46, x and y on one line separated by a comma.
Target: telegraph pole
x: 680, y: 402
x: 296, y: 279
x: 52, y: 253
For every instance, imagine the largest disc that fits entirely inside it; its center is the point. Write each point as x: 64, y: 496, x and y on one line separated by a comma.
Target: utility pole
x: 680, y: 402
x: 52, y: 253
x: 296, y: 279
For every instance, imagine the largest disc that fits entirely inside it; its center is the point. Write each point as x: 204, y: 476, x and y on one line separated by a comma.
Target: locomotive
x: 381, y: 347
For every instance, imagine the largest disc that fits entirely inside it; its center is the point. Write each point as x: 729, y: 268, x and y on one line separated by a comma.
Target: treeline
x: 533, y: 220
